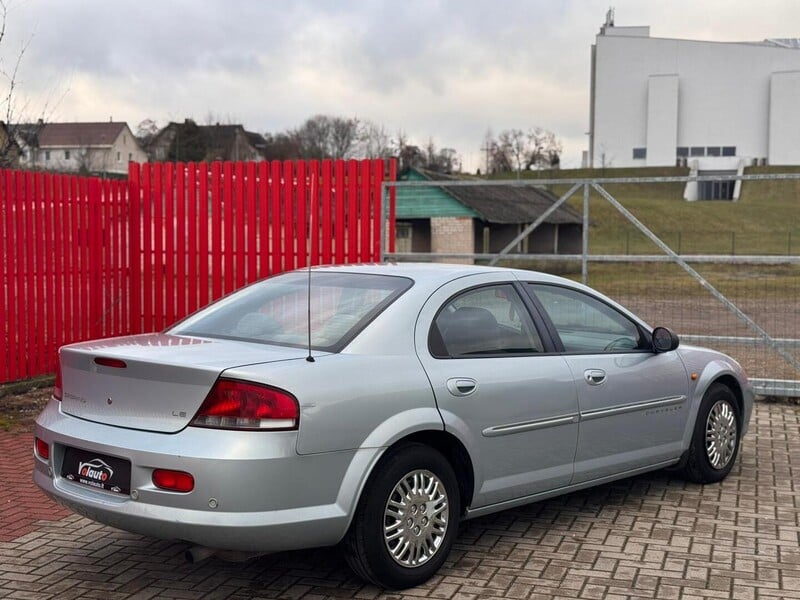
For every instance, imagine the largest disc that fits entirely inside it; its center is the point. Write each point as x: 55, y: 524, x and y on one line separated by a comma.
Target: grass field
x: 765, y: 220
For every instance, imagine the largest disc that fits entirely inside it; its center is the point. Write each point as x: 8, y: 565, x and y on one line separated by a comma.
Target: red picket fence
x: 85, y: 258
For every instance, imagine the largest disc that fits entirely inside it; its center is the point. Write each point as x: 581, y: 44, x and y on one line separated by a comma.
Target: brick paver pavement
x: 21, y: 503
x: 652, y: 536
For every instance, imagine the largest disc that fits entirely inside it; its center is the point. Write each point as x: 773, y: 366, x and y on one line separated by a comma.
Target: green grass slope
x: 765, y: 220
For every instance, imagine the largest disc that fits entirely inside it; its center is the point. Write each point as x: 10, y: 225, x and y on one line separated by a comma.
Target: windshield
x: 275, y: 311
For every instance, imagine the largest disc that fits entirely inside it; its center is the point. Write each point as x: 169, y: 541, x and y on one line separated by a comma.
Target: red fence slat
x: 6, y: 259
x: 377, y: 208
x: 363, y: 220
x: 215, y: 271
x: 322, y: 235
x: 191, y: 238
x: 239, y: 221
x: 251, y: 224
x: 313, y: 209
x: 276, y: 264
x: 169, y: 258
x: 134, y: 248
x: 339, y: 201
x: 228, y: 248
x: 263, y: 219
x: 203, y: 233
x: 181, y: 251
x: 287, y: 217
x: 300, y: 239
x: 36, y: 309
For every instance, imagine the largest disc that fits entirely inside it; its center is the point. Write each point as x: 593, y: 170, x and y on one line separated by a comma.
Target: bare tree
x: 18, y: 124
x: 499, y: 159
x: 450, y: 160
x: 344, y: 134
x: 544, y: 149
x: 515, y: 144
x: 281, y: 146
x: 374, y: 140
x: 517, y: 150
x: 444, y: 160
x: 324, y: 136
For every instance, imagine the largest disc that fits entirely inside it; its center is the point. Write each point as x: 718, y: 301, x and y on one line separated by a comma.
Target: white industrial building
x: 713, y: 106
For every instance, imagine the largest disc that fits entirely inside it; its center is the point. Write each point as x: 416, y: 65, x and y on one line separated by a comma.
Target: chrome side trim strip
x: 618, y: 410
x: 529, y: 425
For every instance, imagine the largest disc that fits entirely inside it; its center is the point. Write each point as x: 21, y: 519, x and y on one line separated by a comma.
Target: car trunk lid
x: 153, y: 382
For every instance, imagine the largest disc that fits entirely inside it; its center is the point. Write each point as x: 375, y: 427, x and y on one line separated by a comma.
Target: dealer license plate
x: 97, y: 470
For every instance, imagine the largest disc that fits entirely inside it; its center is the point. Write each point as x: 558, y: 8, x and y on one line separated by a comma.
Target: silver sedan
x: 377, y: 407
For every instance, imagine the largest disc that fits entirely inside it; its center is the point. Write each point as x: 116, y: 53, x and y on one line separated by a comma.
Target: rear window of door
x: 485, y: 321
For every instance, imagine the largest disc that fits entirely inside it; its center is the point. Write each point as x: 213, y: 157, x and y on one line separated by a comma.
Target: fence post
x: 585, y: 237
x: 392, y: 203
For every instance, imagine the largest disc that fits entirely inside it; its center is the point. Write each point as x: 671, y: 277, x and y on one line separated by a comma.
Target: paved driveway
x: 652, y: 536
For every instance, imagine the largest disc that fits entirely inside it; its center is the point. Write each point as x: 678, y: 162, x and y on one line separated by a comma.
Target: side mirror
x: 664, y: 340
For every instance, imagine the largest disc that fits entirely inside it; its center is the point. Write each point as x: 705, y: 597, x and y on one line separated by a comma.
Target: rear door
x: 499, y: 388
x: 633, y: 402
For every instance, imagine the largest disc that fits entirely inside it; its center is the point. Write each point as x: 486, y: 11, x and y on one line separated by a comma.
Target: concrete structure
x: 713, y: 106
x: 87, y: 148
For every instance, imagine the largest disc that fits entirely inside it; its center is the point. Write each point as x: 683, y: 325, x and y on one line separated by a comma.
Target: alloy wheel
x: 415, y: 519
x: 721, y: 434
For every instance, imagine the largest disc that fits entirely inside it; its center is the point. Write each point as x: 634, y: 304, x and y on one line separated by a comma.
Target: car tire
x: 716, y: 437
x: 406, y: 520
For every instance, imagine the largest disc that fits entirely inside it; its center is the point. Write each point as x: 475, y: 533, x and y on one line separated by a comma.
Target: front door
x: 633, y: 402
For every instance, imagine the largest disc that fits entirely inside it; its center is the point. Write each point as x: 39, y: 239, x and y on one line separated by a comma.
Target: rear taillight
x: 42, y: 449
x: 58, y: 390
x: 233, y: 404
x: 174, y: 481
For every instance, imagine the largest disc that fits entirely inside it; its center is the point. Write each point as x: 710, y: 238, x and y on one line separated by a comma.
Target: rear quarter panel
x: 350, y: 401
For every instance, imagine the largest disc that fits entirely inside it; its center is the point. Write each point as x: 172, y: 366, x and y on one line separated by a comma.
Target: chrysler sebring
x: 376, y: 407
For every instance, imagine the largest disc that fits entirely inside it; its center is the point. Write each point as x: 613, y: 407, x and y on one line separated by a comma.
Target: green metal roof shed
x: 427, y: 202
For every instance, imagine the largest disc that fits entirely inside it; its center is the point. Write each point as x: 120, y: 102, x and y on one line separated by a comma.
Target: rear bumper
x: 253, y: 492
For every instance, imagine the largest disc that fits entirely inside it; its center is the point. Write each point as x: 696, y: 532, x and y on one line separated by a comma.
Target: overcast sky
x: 449, y: 70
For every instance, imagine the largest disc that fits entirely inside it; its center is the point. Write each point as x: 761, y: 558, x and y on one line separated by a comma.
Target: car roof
x: 429, y: 276
x: 437, y: 273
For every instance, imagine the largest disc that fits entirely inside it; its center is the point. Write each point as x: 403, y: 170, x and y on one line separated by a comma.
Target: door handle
x: 594, y: 376
x: 461, y: 386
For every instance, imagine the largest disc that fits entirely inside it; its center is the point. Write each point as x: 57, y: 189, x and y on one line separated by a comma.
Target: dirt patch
x: 19, y: 411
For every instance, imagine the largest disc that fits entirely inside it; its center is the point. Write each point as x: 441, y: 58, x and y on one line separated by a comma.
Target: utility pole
x: 487, y: 147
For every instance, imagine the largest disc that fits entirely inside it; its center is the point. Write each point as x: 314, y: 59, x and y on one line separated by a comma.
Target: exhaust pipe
x: 196, y: 554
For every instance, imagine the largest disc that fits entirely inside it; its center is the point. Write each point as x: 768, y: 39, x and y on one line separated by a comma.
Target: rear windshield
x: 275, y: 311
